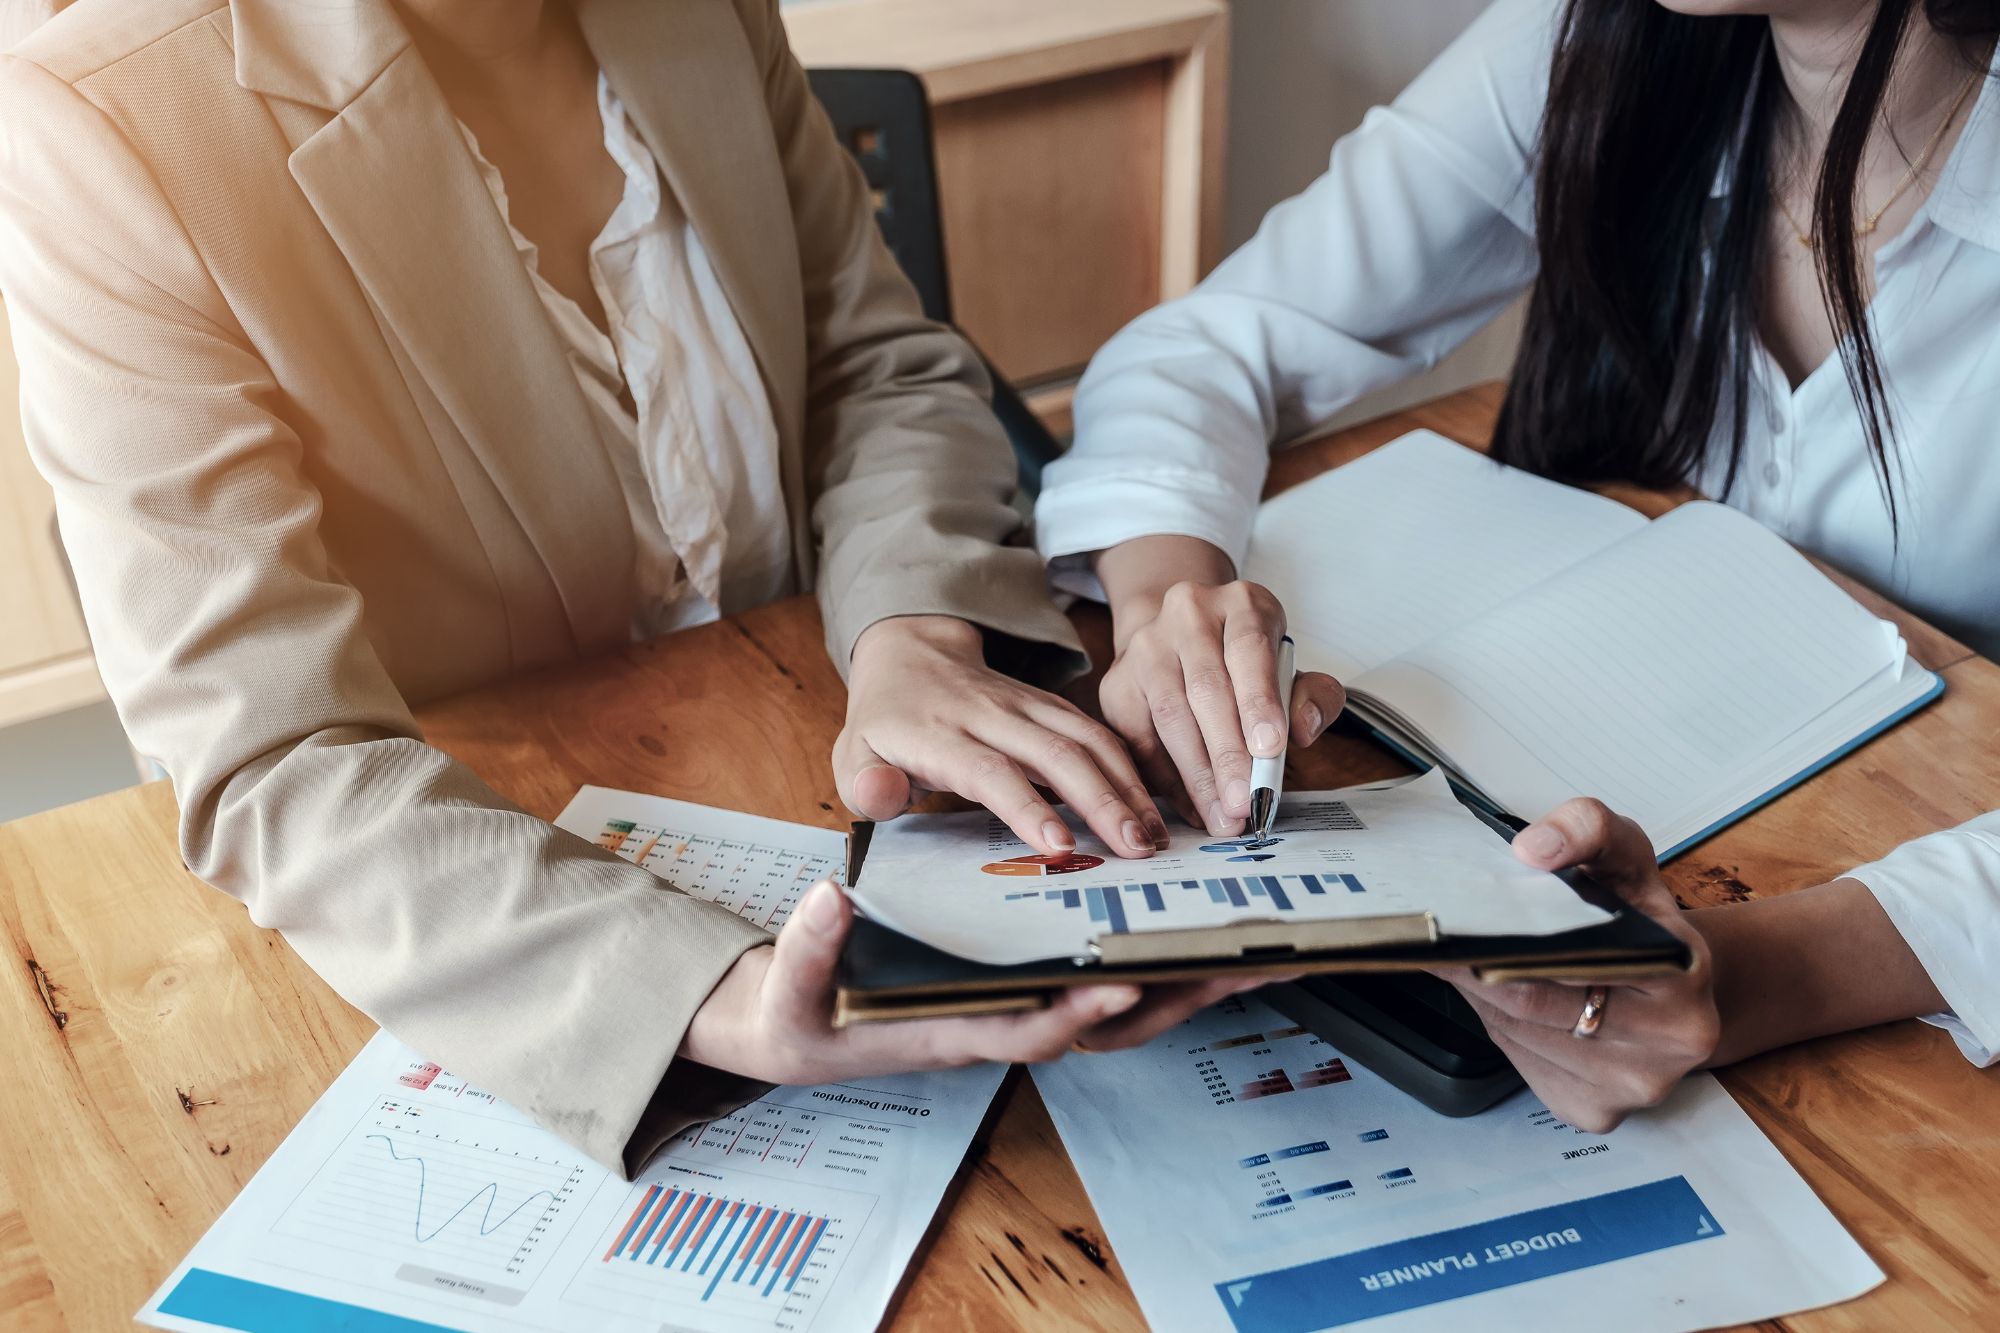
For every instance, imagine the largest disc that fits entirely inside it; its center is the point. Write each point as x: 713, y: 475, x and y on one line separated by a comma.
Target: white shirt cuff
x: 1942, y: 892
x: 1076, y: 519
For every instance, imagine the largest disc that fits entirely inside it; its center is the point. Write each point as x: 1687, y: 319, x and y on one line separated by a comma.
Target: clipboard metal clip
x: 1258, y: 939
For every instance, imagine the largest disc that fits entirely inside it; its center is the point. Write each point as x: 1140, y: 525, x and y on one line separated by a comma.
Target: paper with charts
x: 965, y: 884
x: 406, y: 1200
x: 1251, y: 1180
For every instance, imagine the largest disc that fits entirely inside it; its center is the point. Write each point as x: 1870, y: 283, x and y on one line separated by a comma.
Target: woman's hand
x: 924, y: 711
x: 1193, y: 688
x: 771, y: 1015
x: 1651, y: 1032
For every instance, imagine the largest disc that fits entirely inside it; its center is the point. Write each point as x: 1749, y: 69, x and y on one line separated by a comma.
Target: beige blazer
x: 318, y: 454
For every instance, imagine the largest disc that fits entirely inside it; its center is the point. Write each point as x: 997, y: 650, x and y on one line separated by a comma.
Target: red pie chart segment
x: 1068, y: 863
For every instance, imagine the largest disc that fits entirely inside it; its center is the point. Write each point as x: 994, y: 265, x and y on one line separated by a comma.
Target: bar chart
x: 756, y: 1255
x: 1251, y: 1066
x: 1117, y: 905
x: 1286, y: 1178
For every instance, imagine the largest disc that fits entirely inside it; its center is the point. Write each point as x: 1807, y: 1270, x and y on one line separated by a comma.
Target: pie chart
x: 1068, y: 863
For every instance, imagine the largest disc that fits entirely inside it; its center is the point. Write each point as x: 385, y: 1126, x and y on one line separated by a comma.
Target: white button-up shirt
x: 697, y: 461
x: 1420, y: 232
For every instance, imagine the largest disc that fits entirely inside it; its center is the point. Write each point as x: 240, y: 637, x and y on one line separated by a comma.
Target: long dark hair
x: 1643, y: 318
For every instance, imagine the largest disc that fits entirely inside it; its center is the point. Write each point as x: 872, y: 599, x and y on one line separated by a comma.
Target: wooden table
x: 155, y: 1046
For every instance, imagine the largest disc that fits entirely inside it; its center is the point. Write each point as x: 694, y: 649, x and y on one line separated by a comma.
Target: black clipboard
x: 885, y: 975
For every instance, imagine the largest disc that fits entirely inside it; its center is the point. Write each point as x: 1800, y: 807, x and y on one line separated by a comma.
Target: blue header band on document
x: 1445, y: 1265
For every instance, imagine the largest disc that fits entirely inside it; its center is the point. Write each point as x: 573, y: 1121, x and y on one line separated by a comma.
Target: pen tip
x: 1262, y: 802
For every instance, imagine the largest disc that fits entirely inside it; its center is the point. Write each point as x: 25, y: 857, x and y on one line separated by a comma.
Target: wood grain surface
x: 156, y: 1045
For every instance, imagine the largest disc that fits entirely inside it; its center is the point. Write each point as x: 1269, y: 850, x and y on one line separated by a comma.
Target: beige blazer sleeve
x: 912, y: 476
x: 522, y: 957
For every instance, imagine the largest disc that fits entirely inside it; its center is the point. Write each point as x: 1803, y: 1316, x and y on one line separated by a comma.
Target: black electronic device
x: 1414, y: 1031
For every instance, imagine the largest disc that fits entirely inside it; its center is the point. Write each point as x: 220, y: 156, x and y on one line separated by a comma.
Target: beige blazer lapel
x: 391, y: 180
x: 687, y: 77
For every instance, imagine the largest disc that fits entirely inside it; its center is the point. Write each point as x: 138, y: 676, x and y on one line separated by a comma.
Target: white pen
x: 1267, y: 776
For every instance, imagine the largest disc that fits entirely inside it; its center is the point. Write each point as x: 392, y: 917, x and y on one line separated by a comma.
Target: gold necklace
x: 1867, y: 225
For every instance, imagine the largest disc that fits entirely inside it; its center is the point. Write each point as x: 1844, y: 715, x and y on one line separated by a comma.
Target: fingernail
x: 1264, y: 739
x: 1310, y: 716
x: 1236, y: 796
x: 1057, y: 835
x: 1218, y: 819
x: 1158, y: 828
x: 822, y: 910
x: 1136, y: 836
x: 1540, y: 841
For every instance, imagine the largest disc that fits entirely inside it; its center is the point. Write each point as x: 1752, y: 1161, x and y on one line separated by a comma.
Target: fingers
x: 1577, y: 1101
x: 1211, y: 697
x: 1180, y: 733
x: 981, y: 773
x: 1551, y: 1005
x: 1086, y: 765
x: 799, y: 985
x: 1584, y: 832
x: 870, y: 786
x: 1046, y: 1034
x: 1126, y: 713
x: 1646, y: 1046
x: 1162, y: 1008
x: 1612, y: 849
x: 1250, y: 637
x: 1317, y: 699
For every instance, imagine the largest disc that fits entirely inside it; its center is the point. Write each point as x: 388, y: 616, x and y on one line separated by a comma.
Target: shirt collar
x: 1966, y: 199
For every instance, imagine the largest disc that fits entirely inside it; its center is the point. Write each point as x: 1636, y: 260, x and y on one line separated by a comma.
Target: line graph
x: 491, y: 1194
x: 473, y: 1194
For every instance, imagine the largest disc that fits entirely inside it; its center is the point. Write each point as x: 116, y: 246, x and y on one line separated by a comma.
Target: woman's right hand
x: 771, y: 1016
x: 1193, y: 686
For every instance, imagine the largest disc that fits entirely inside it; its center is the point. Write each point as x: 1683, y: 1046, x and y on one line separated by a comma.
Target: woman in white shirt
x: 1762, y: 246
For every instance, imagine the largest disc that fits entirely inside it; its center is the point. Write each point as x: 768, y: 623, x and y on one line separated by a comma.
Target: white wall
x: 1302, y: 73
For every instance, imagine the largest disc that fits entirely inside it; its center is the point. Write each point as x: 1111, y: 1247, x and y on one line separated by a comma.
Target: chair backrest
x: 883, y: 117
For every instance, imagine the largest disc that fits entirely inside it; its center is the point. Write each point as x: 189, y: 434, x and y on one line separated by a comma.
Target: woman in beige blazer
x: 320, y: 452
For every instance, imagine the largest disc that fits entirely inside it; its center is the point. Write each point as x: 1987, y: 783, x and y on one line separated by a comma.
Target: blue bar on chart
x: 1331, y: 1187
x: 1482, y: 1256
x: 1107, y: 903
x: 751, y: 1226
x: 1302, y: 1149
x: 757, y: 1246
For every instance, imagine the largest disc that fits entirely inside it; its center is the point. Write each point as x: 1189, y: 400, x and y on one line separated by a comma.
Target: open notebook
x: 1542, y: 642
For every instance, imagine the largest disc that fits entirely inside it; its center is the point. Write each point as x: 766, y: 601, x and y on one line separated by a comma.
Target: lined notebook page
x: 1376, y: 557
x: 1653, y: 676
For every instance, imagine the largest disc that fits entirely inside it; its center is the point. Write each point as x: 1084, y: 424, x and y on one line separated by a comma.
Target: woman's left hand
x: 925, y: 713
x: 1651, y: 1032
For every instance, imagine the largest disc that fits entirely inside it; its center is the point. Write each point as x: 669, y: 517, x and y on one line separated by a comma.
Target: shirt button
x: 1773, y: 474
